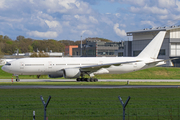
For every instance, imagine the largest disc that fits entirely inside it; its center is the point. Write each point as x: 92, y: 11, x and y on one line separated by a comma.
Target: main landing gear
x: 87, y: 79
x: 91, y: 79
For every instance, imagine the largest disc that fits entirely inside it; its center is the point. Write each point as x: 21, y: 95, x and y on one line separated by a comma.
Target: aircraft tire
x: 78, y: 79
x: 84, y: 79
x: 95, y: 79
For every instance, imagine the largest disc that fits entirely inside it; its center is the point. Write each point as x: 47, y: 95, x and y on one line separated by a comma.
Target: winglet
x: 153, y: 48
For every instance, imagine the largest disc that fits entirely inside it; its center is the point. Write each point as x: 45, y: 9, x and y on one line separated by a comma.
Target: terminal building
x: 170, y: 47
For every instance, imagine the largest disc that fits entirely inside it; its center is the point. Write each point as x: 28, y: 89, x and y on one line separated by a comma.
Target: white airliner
x: 78, y: 67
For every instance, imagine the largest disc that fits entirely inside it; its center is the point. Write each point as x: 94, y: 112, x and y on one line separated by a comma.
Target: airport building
x: 69, y: 50
x: 170, y: 47
x: 97, y: 48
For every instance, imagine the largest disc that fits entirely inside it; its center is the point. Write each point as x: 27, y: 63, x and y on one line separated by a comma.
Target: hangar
x: 170, y: 47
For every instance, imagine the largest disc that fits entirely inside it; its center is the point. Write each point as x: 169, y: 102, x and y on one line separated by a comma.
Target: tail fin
x: 153, y: 48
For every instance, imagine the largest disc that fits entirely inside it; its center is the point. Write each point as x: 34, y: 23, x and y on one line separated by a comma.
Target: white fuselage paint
x: 46, y: 66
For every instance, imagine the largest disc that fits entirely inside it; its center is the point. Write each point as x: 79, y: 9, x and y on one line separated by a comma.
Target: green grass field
x: 89, y: 83
x: 90, y: 104
x: 151, y: 73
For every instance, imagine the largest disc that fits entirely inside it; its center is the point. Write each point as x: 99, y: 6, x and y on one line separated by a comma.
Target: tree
x: 6, y: 37
x: 1, y: 54
x: 39, y: 54
x: 30, y: 48
x: 19, y: 38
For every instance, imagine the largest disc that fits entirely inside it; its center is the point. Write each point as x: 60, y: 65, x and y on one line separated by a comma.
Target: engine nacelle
x: 56, y: 75
x: 72, y: 73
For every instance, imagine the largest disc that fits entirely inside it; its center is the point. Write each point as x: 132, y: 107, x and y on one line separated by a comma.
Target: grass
x: 151, y: 73
x: 90, y: 104
x: 89, y: 83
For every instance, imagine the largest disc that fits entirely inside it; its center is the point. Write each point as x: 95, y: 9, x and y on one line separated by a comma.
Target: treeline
x: 9, y: 46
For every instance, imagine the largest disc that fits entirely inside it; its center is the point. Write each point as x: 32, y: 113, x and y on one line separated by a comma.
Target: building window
x: 90, y: 52
x: 120, y: 54
x: 136, y: 53
x: 100, y: 53
x: 175, y: 49
x: 162, y: 52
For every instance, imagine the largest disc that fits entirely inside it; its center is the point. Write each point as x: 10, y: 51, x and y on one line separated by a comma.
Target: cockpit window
x: 8, y: 63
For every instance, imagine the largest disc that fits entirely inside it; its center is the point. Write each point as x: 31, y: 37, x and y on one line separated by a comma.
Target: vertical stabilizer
x: 153, y: 48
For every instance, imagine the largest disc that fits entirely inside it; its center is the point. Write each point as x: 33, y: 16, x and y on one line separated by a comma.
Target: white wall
x: 175, y: 33
x: 148, y: 35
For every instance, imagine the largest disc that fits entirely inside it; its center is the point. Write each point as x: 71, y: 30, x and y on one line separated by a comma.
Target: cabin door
x: 21, y: 65
x: 135, y: 65
x: 50, y: 64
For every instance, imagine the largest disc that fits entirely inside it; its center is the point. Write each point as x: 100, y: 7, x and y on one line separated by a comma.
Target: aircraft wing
x: 93, y: 68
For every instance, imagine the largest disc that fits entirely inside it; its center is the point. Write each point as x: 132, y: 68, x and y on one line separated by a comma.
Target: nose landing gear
x: 17, y: 79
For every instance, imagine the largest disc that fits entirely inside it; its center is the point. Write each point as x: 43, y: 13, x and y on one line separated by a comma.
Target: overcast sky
x: 69, y: 19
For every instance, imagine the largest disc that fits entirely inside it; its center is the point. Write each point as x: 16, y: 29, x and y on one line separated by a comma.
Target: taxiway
x: 100, y: 80
x: 86, y: 86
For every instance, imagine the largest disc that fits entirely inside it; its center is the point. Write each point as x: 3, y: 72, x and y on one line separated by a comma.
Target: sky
x: 71, y: 19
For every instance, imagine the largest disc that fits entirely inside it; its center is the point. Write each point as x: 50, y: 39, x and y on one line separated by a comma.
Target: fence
x: 16, y: 107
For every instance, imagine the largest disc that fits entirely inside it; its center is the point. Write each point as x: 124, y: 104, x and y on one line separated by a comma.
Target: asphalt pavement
x: 100, y: 80
x: 86, y: 86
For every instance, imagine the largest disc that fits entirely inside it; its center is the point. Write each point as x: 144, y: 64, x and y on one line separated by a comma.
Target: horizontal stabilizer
x: 156, y: 62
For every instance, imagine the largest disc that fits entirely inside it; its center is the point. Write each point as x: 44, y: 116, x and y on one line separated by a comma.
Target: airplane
x: 79, y: 66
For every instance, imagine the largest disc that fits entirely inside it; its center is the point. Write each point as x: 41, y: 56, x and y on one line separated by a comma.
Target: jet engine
x: 56, y: 75
x: 72, y: 73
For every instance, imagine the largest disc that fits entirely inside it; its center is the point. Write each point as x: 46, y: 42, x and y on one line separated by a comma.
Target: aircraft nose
x: 4, y: 68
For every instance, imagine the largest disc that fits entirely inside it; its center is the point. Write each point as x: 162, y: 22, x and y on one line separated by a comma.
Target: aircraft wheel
x: 78, y: 79
x: 88, y: 79
x: 17, y: 80
x: 85, y: 79
x: 92, y: 79
x: 95, y: 80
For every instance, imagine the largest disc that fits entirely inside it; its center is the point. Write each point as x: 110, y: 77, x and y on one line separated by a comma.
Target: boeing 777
x: 80, y: 66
